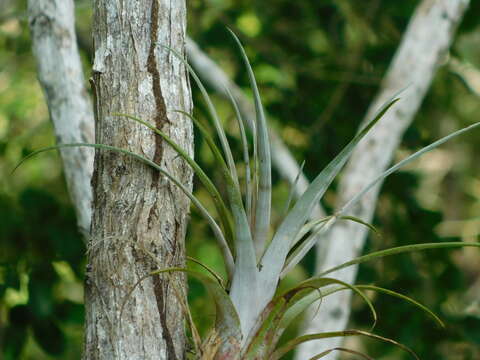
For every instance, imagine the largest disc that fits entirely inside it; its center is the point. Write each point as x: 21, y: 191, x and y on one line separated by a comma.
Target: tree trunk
x: 424, y: 47
x: 61, y: 77
x: 139, y: 218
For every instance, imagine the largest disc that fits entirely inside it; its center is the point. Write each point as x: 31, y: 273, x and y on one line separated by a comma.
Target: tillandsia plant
x: 251, y: 313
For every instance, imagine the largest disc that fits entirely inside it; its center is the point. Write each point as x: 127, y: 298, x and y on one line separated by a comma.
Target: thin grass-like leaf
x: 240, y: 232
x: 301, y: 250
x: 298, y: 308
x: 292, y: 344
x: 301, y: 305
x: 399, y: 250
x: 222, y: 243
x: 213, y: 113
x: 274, y: 258
x: 405, y: 298
x: 319, y: 281
x: 264, y: 197
x: 208, y: 269
x: 312, y: 298
x: 271, y: 323
x: 246, y: 154
x: 354, y: 352
x: 255, y: 166
x: 402, y: 163
x: 361, y: 222
x: 310, y: 226
x: 292, y: 188
x: 213, y: 147
x: 299, y: 253
x: 188, y: 315
x: 245, y: 272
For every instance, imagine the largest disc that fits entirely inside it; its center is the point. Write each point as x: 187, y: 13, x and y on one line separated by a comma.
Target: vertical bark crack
x: 152, y: 67
x: 160, y: 293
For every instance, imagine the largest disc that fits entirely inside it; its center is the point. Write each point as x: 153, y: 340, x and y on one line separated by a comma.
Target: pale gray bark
x: 424, y: 47
x: 61, y: 77
x: 139, y: 218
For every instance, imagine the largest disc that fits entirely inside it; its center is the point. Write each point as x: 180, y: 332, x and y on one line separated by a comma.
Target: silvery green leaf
x: 263, y: 204
x: 273, y: 260
x: 402, y: 163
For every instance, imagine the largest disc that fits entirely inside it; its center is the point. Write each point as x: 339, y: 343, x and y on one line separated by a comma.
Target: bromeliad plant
x: 251, y: 315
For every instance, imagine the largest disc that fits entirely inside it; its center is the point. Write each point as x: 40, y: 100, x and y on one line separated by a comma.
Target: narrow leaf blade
x: 277, y: 251
x: 264, y: 198
x: 402, y: 163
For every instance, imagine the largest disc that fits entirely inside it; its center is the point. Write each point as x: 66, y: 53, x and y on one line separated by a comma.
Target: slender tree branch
x: 424, y: 47
x: 61, y: 77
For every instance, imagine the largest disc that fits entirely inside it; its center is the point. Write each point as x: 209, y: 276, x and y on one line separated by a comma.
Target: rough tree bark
x: 139, y: 218
x: 61, y: 77
x: 424, y: 47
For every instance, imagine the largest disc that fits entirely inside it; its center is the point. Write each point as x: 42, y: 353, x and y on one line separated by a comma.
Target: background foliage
x: 319, y: 64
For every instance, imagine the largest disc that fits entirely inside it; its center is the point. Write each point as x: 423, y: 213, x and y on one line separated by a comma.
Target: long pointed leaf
x: 296, y: 256
x: 273, y: 260
x: 246, y: 154
x: 354, y: 352
x: 213, y: 113
x: 270, y: 324
x: 245, y: 273
x: 264, y: 197
x: 405, y: 298
x: 398, y: 250
x: 310, y: 226
x: 245, y: 264
x: 301, y: 250
x: 404, y: 162
x: 292, y: 188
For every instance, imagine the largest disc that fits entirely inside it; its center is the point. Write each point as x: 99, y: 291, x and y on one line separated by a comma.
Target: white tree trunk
x: 139, y: 218
x: 424, y: 47
x: 61, y: 77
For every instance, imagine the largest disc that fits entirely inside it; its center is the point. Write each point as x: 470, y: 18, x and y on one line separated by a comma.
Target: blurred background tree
x: 319, y: 64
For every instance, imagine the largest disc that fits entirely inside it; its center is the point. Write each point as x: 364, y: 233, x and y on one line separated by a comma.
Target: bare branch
x: 61, y: 77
